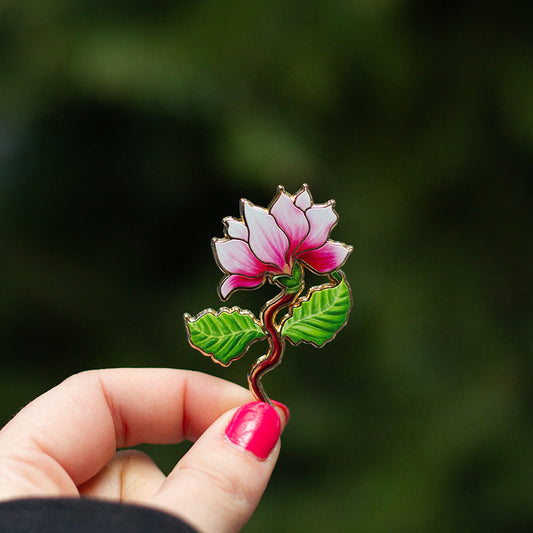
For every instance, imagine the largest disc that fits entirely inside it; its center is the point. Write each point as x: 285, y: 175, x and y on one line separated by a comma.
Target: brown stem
x: 276, y: 345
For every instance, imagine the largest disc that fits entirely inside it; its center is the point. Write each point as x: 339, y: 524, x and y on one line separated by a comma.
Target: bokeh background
x: 129, y: 129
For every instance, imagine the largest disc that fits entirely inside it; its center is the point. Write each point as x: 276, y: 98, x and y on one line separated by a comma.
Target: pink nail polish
x: 284, y: 408
x: 256, y: 427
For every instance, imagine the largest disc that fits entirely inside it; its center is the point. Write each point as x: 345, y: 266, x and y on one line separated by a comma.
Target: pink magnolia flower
x: 268, y: 242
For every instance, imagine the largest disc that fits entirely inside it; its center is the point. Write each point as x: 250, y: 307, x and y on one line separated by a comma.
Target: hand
x: 64, y: 444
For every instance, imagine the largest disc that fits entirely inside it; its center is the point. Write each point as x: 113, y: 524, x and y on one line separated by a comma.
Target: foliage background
x: 129, y: 129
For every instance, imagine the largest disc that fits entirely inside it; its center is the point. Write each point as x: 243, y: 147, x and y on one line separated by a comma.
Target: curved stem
x: 276, y: 345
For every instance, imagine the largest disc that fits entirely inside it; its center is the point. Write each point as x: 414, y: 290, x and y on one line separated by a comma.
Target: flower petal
x: 303, y: 198
x: 236, y: 229
x: 267, y: 240
x: 234, y: 282
x: 321, y: 219
x: 235, y: 257
x: 327, y: 258
x: 291, y: 220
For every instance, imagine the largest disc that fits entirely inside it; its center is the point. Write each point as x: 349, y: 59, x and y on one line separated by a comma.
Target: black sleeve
x: 75, y: 515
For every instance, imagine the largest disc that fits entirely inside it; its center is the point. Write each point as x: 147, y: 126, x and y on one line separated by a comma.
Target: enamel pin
x: 275, y: 245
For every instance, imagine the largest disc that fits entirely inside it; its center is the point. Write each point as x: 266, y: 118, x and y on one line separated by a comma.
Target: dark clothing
x: 74, y: 515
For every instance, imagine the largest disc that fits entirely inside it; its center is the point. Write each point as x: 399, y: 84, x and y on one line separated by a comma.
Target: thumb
x: 217, y: 485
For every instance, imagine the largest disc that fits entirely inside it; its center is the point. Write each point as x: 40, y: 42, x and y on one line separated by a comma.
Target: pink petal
x: 327, y: 258
x: 236, y: 229
x: 291, y: 220
x: 235, y: 257
x: 303, y: 198
x: 234, y: 282
x: 321, y: 219
x: 267, y: 240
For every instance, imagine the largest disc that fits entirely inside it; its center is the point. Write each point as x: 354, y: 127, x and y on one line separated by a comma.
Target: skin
x: 64, y: 444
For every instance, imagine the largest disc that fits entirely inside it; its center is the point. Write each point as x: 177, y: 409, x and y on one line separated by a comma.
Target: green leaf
x: 319, y: 316
x: 224, y: 335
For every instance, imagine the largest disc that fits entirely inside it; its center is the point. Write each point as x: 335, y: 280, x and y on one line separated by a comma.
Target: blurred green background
x: 129, y: 129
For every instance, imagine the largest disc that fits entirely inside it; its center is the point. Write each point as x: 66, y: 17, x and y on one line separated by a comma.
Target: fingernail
x: 256, y: 427
x: 284, y: 408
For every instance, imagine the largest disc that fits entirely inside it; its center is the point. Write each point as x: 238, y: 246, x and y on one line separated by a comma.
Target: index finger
x: 81, y: 422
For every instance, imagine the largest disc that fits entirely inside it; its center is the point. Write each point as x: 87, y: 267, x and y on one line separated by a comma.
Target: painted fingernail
x: 256, y: 427
x: 284, y: 408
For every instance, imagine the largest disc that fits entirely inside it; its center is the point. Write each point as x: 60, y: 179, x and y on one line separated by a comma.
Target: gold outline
x: 230, y: 310
x: 316, y: 288
x: 269, y: 274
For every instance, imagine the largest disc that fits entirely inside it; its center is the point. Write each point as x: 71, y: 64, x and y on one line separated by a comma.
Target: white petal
x: 267, y: 241
x: 235, y: 257
x: 321, y: 219
x: 236, y: 229
x: 303, y: 198
x: 290, y: 219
